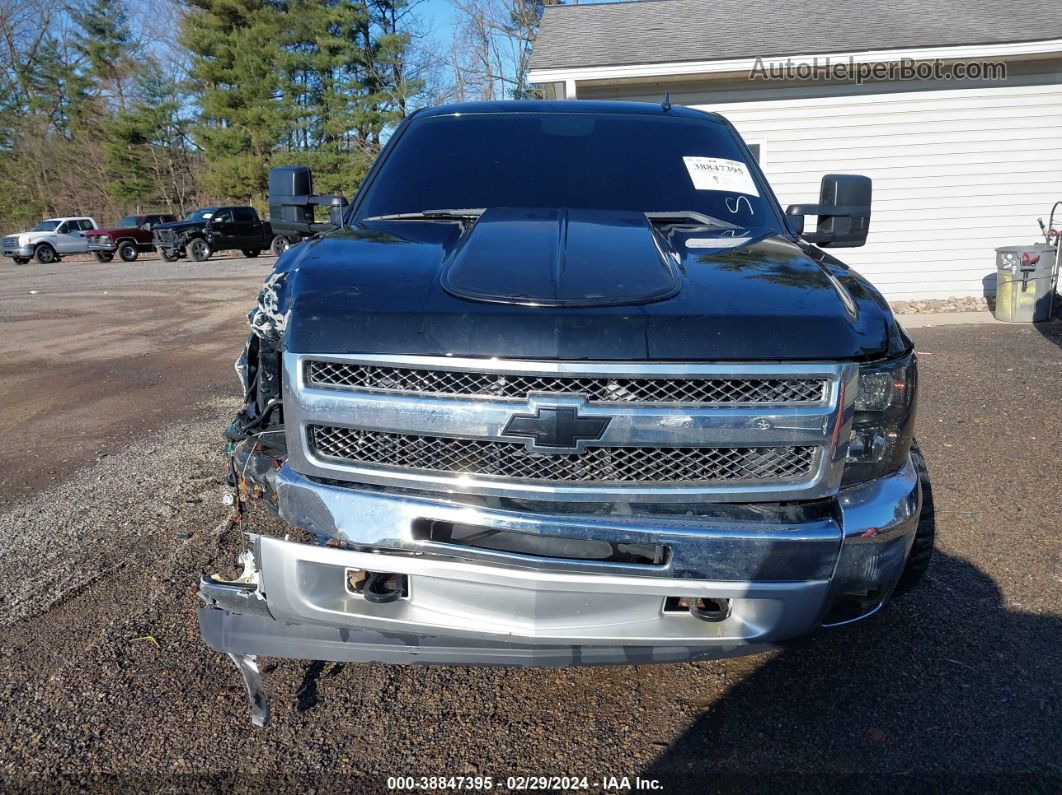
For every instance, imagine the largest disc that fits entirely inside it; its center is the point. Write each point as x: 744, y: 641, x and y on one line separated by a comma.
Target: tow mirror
x: 843, y: 212
x: 291, y: 202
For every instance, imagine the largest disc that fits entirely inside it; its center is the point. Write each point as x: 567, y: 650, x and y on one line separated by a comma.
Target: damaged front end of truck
x: 565, y: 435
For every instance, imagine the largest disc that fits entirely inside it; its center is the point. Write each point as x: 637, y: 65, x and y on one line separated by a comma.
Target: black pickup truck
x: 565, y: 385
x: 213, y: 229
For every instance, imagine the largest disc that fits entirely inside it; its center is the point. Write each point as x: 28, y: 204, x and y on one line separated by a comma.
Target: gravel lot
x: 117, y: 381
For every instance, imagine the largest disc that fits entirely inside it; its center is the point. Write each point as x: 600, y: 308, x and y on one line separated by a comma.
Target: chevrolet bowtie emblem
x: 557, y: 429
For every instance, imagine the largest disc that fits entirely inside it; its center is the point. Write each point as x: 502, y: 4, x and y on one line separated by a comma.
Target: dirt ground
x: 94, y: 355
x: 116, y: 382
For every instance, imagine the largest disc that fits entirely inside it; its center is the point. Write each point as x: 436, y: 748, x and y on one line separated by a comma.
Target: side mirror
x: 291, y: 202
x: 843, y: 212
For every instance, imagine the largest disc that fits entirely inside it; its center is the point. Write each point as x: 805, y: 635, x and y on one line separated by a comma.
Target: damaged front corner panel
x: 247, y: 665
x: 259, y: 367
x: 241, y: 595
x: 269, y: 319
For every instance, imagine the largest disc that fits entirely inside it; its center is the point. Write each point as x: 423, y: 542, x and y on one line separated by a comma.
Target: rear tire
x: 279, y: 245
x: 128, y: 251
x: 45, y: 254
x: 103, y: 256
x: 21, y: 260
x: 198, y: 250
x: 250, y: 253
x: 922, y: 549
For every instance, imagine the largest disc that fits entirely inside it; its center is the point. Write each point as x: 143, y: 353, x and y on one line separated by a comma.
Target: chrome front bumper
x: 17, y: 251
x: 787, y: 569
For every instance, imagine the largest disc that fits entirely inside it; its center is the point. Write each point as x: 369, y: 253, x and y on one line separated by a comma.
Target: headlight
x: 103, y: 238
x: 883, y: 424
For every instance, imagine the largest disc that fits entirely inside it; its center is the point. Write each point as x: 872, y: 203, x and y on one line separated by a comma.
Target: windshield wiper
x: 688, y: 218
x: 464, y: 214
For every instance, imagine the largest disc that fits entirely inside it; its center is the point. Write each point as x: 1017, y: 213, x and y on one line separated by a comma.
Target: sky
x: 440, y: 15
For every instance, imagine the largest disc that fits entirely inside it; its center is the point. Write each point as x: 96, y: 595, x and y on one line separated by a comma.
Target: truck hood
x: 545, y: 257
x: 180, y: 226
x: 32, y: 236
x: 550, y: 284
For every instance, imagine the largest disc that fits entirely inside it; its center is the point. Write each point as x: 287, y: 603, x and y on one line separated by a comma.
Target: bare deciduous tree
x: 491, y: 47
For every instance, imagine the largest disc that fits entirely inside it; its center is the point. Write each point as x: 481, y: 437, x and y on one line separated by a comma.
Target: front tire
x: 198, y: 250
x: 128, y: 251
x: 279, y: 245
x: 250, y: 253
x: 168, y: 256
x: 103, y: 256
x: 45, y: 254
x: 922, y: 549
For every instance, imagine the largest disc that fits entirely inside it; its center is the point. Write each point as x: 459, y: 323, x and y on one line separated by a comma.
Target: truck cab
x: 50, y: 240
x: 565, y: 385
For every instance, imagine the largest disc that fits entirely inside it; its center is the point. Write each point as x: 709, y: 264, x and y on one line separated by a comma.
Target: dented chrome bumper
x: 784, y: 569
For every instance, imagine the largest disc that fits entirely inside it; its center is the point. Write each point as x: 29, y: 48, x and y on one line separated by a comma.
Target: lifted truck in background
x: 213, y: 229
x: 565, y: 385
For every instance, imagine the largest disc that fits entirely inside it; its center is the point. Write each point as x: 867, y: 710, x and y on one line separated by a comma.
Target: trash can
x: 1025, y: 283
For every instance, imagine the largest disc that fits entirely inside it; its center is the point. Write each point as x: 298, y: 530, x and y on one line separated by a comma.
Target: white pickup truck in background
x: 50, y: 240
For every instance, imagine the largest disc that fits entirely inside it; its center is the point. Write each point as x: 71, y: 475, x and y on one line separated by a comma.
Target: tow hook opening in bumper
x: 378, y: 587
x: 704, y: 608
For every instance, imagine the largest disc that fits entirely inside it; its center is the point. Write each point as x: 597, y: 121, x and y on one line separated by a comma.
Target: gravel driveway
x: 105, y: 684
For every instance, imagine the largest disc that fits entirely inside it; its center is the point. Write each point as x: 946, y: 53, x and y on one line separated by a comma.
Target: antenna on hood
x: 666, y: 104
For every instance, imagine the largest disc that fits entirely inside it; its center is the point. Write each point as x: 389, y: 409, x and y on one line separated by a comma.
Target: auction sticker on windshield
x: 717, y: 173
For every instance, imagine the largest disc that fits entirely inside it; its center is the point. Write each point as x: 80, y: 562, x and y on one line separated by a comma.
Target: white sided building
x: 963, y: 159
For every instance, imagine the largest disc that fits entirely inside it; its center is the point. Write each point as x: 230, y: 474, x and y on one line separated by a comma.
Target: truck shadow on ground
x: 946, y: 685
x: 1052, y: 329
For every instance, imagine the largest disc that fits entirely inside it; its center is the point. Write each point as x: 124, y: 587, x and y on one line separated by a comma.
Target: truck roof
x: 569, y: 106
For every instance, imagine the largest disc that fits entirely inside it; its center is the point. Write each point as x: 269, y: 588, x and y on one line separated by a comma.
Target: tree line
x: 116, y: 106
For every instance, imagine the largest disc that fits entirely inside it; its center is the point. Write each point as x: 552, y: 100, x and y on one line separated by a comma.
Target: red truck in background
x: 131, y: 237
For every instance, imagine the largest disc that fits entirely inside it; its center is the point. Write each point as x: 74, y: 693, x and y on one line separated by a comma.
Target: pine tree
x: 284, y: 82
x: 58, y: 90
x: 236, y: 53
x: 106, y: 43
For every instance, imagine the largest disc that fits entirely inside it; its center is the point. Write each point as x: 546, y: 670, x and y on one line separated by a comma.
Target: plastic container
x: 1025, y: 283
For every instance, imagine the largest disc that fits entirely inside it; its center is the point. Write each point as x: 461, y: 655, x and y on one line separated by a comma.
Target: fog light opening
x: 851, y: 605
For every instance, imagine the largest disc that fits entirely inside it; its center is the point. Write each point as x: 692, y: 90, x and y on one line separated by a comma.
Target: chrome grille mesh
x: 596, y: 465
x: 165, y: 237
x: 340, y: 375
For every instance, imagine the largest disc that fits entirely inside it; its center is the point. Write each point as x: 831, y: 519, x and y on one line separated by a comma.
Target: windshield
x: 46, y: 226
x: 575, y: 160
x: 129, y: 222
x: 201, y: 215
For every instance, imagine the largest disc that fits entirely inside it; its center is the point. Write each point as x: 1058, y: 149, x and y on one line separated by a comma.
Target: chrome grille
x: 670, y: 465
x: 341, y: 375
